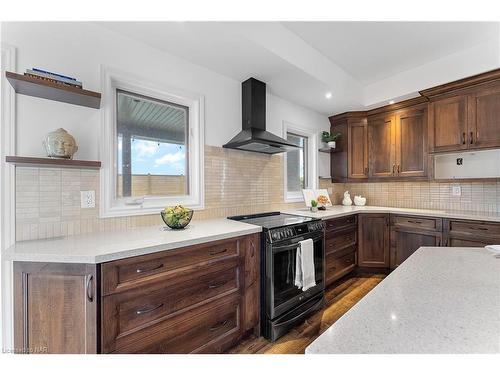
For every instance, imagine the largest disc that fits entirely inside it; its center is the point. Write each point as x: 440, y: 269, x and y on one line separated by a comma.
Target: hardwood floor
x: 340, y: 297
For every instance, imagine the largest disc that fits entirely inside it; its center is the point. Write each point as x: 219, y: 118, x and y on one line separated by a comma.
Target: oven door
x: 281, y: 292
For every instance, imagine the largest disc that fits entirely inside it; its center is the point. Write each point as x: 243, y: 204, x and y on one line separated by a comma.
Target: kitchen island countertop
x: 107, y: 246
x: 440, y: 300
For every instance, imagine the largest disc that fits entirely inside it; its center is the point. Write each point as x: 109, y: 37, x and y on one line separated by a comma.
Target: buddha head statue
x: 60, y: 144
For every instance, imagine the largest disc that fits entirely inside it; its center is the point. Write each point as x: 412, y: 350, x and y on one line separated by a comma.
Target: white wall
x: 79, y: 49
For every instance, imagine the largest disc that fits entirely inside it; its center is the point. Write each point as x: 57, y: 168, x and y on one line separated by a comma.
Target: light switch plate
x: 456, y: 191
x: 87, y: 199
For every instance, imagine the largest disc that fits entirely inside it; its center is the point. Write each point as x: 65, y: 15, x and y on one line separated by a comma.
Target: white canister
x: 359, y: 200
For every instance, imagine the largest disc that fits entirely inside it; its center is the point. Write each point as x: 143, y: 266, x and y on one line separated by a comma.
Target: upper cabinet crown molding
x: 464, y: 83
x: 398, y: 106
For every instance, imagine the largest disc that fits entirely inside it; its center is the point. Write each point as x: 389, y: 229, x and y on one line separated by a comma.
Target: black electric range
x: 283, y: 305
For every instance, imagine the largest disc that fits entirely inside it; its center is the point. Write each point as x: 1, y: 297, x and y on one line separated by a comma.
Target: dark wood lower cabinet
x: 198, y: 299
x: 373, y: 240
x: 404, y: 242
x: 56, y: 308
x: 408, y: 233
x: 340, y: 247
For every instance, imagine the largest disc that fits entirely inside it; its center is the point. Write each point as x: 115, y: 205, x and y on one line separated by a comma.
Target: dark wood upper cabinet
x: 338, y: 160
x: 381, y: 135
x: 373, y: 240
x: 465, y: 114
x: 484, y: 118
x: 449, y: 124
x: 350, y: 161
x: 411, y: 142
x: 357, y: 154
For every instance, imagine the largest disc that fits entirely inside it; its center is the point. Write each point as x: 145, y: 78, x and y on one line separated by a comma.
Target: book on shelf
x: 53, y: 74
x: 53, y: 78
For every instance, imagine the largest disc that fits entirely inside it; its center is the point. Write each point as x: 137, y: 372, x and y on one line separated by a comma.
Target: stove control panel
x: 283, y: 233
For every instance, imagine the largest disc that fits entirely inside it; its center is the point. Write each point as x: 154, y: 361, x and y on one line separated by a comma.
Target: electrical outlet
x: 456, y: 191
x: 87, y: 199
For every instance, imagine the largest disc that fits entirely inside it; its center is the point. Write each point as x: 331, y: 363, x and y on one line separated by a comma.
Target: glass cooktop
x: 270, y: 220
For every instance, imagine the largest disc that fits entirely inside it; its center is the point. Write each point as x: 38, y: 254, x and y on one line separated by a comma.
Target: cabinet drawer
x: 476, y: 228
x: 337, y: 265
x: 340, y: 240
x: 128, y: 273
x: 340, y: 223
x: 189, y: 331
x: 124, y: 313
x: 417, y: 222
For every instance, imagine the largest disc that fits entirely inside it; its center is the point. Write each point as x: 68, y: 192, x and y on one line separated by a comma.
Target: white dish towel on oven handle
x: 304, y: 265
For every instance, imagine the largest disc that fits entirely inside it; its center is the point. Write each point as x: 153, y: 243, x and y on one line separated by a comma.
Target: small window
x: 301, y: 164
x: 296, y: 164
x: 152, y: 153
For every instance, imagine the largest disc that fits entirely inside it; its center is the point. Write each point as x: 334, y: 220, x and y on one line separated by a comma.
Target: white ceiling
x: 372, y: 51
x: 301, y: 61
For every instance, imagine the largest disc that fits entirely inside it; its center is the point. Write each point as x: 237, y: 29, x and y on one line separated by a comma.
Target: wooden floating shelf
x: 23, y: 161
x: 53, y: 91
x: 329, y: 150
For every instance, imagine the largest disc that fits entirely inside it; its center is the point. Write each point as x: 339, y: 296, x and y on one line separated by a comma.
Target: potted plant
x: 330, y: 138
x: 314, y: 205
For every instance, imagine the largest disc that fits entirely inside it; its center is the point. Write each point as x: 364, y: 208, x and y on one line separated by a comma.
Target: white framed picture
x: 319, y: 195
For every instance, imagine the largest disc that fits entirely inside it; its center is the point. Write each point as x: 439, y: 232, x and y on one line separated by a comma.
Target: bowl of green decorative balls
x: 177, y: 217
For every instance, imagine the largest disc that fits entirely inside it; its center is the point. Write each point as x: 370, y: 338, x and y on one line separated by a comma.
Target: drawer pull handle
x: 218, y: 325
x: 89, y: 289
x: 146, y: 311
x: 478, y: 228
x: 215, y: 252
x: 216, y: 285
x: 463, y: 138
x: 142, y: 270
x: 414, y: 222
x: 348, y: 261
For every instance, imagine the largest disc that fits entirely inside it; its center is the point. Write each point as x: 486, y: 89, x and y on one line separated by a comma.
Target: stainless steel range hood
x: 254, y: 136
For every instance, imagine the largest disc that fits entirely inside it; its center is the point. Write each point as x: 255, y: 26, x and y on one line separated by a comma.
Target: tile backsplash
x: 48, y: 199
x: 483, y: 196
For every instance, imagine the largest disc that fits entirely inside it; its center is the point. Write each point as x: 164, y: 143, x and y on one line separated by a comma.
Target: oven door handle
x: 295, y: 245
x: 302, y: 314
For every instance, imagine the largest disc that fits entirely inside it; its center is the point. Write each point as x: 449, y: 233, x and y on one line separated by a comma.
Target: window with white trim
x: 152, y: 147
x: 301, y: 163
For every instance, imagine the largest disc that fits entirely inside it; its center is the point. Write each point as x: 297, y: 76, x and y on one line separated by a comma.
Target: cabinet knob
x: 463, y: 138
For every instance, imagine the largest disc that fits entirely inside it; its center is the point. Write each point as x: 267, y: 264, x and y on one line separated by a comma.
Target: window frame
x: 311, y: 157
x: 111, y: 206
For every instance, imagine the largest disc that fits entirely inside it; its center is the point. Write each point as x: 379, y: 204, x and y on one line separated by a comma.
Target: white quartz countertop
x: 339, y: 211
x: 440, y: 300
x: 107, y: 246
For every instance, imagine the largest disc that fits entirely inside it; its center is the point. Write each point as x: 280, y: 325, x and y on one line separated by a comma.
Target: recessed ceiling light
x: 391, y: 101
x: 328, y: 95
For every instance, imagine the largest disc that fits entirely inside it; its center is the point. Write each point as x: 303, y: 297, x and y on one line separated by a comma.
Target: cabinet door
x: 338, y: 159
x: 484, y: 119
x: 373, y: 240
x: 405, y: 242
x: 411, y: 143
x: 381, y: 146
x: 358, y: 150
x: 55, y: 308
x: 449, y: 124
